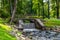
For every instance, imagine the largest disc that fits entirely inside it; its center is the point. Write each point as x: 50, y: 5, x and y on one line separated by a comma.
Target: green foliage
x: 4, y: 33
x: 4, y: 14
x: 52, y: 22
x: 6, y: 27
x: 5, y: 9
x: 32, y: 8
x: 2, y: 21
x: 24, y: 7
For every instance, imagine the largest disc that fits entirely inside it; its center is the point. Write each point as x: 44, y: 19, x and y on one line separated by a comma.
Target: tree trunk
x: 2, y: 3
x: 43, y: 9
x: 48, y: 10
x: 14, y: 11
x: 11, y: 7
x: 57, y: 3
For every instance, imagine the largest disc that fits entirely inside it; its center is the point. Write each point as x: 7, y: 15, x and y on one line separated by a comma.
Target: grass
x: 52, y: 22
x: 4, y: 33
x: 6, y: 27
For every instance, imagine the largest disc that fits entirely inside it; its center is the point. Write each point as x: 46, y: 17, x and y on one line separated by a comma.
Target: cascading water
x: 35, y: 34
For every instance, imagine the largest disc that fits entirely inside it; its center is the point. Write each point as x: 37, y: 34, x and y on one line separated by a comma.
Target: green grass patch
x: 52, y: 22
x: 6, y: 27
x: 4, y: 33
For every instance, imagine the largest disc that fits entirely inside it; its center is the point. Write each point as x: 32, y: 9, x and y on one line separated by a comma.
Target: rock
x: 22, y: 37
x: 34, y: 38
x: 21, y: 23
x: 27, y: 38
x: 56, y: 39
x: 12, y: 33
x: 58, y: 36
x: 42, y: 38
x: 43, y: 33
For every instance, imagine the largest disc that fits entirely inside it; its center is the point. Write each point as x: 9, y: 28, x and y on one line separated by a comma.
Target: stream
x: 34, y: 34
x: 43, y: 35
x: 31, y: 32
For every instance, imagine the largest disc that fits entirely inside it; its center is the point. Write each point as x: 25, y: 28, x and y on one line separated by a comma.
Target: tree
x: 43, y: 9
x: 57, y: 2
x: 48, y: 9
x: 14, y: 10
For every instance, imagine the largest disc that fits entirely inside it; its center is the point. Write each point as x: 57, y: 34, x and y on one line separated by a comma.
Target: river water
x: 35, y: 34
x: 43, y: 35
